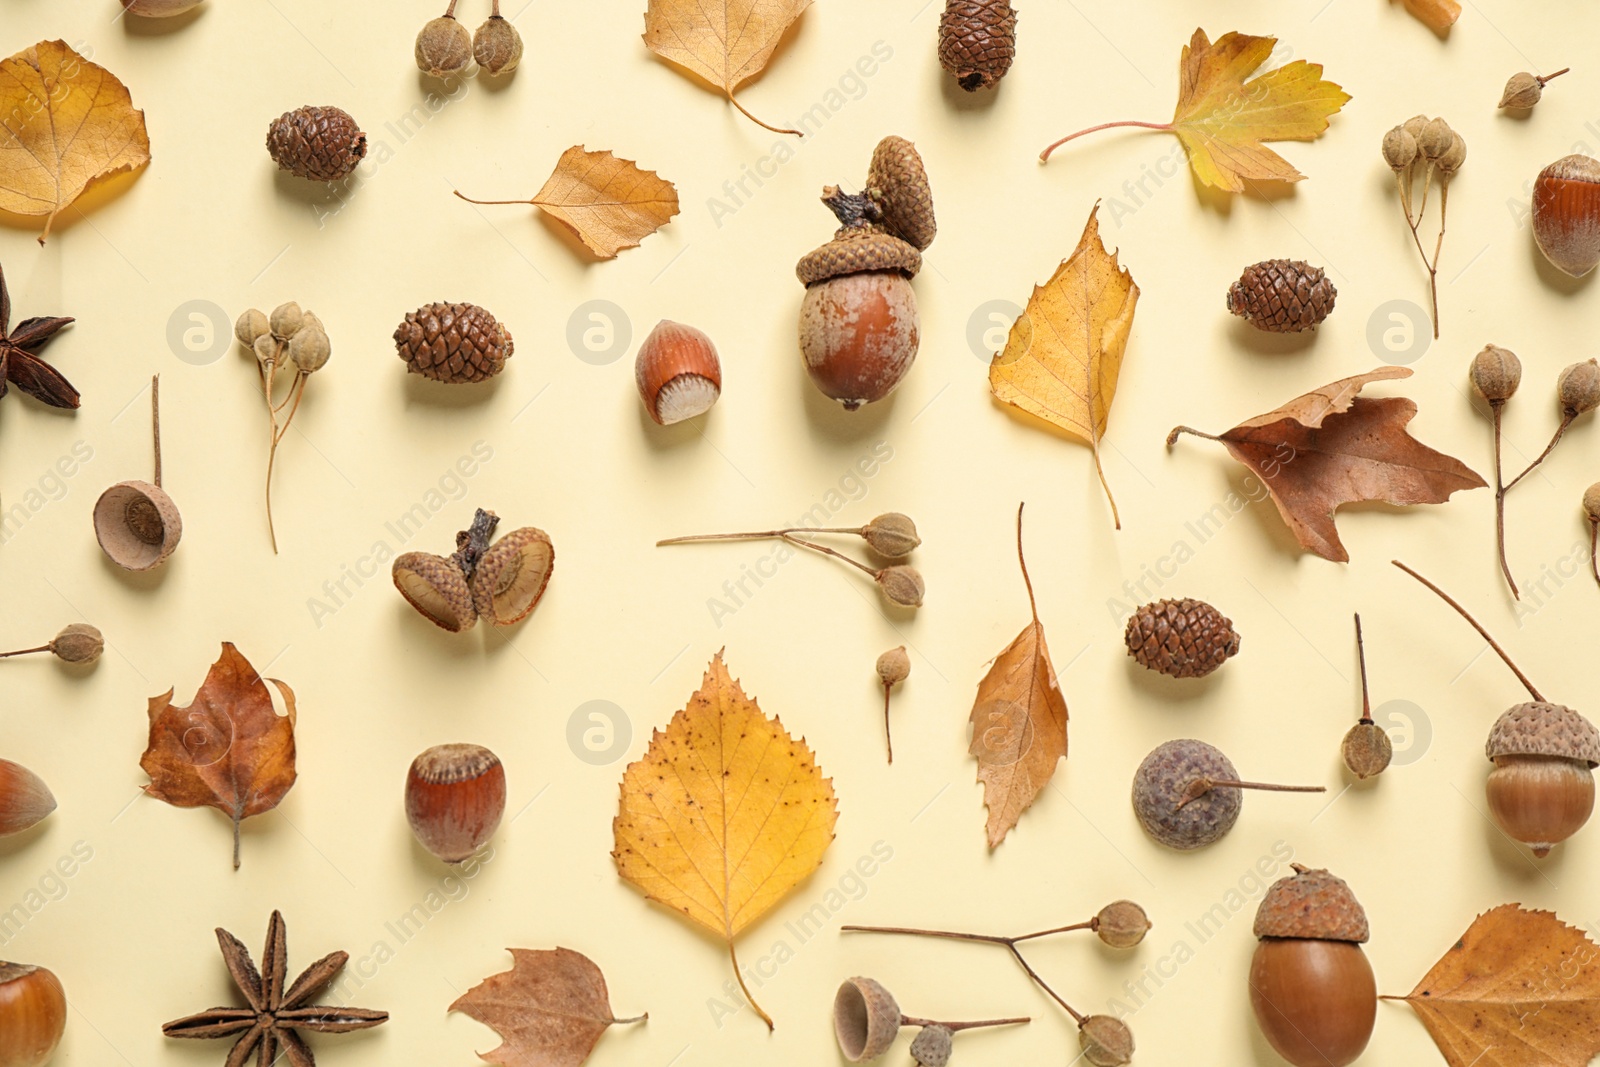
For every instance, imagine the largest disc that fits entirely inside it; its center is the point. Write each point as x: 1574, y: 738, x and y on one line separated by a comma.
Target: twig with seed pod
x: 76, y: 642
x: 1424, y: 148
x: 894, y: 667
x: 1523, y: 90
x: 1366, y: 748
x: 867, y: 1019
x: 136, y: 522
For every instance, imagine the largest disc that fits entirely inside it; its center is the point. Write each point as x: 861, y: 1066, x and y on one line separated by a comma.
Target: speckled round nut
x: 1159, y: 784
x: 1311, y: 904
x: 856, y: 250
x: 1544, y: 729
x: 898, y: 182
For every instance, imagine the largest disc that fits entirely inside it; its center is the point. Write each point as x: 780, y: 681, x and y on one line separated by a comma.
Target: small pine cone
x: 320, y: 144
x: 453, y: 343
x: 977, y: 41
x: 1181, y: 638
x: 1282, y: 296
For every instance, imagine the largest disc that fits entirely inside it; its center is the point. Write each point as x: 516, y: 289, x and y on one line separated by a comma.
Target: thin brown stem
x: 1023, y: 563
x: 830, y: 552
x: 764, y: 125
x: 495, y: 13
x: 450, y: 12
x: 888, y: 738
x: 1594, y: 544
x: 1016, y: 954
x: 272, y: 450
x: 155, y: 422
x: 1550, y: 77
x: 1089, y: 924
x: 236, y: 843
x: 1567, y: 418
x: 912, y: 1020
x: 1495, y: 412
x: 1361, y: 658
x: 1116, y: 517
x: 1045, y: 155
x: 1201, y: 786
x: 469, y: 199
x: 1172, y: 438
x: 912, y: 931
x: 25, y: 651
x: 1476, y: 625
x: 754, y: 535
x: 759, y: 1010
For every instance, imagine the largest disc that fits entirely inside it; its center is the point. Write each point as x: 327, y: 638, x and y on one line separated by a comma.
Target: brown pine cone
x: 1282, y: 295
x: 898, y: 183
x: 1181, y: 638
x: 320, y: 144
x: 977, y: 41
x: 453, y: 343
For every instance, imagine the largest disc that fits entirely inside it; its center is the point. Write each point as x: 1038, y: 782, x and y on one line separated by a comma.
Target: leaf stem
x: 469, y: 199
x: 759, y: 1010
x: 1023, y: 563
x: 1361, y: 657
x: 1116, y: 518
x: 1044, y: 156
x: 764, y: 125
x: 1476, y: 625
x: 1177, y: 431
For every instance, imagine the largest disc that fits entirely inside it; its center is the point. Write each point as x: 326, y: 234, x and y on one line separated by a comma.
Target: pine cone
x: 320, y: 144
x: 977, y: 41
x: 1181, y: 638
x: 453, y: 343
x: 898, y: 183
x: 1282, y: 295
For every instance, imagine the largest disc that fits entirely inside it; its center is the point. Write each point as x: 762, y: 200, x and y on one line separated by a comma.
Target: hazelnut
x: 455, y: 796
x: 24, y: 800
x: 678, y: 373
x: 33, y: 1015
x: 1566, y: 213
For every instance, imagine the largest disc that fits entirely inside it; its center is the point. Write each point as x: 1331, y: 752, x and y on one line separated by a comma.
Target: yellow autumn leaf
x: 726, y: 42
x: 67, y: 122
x: 1222, y: 119
x: 724, y: 815
x: 1064, y: 353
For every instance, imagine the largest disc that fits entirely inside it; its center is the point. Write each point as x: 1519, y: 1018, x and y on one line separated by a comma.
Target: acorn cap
x: 1311, y: 904
x: 137, y: 525
x: 898, y: 182
x: 856, y: 250
x: 1541, y: 729
x: 865, y: 1019
x: 510, y: 578
x: 437, y: 588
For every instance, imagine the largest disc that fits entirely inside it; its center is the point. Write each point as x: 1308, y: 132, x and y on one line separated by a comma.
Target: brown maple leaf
x: 1519, y: 989
x: 1331, y: 447
x: 549, y: 1009
x: 1019, y: 721
x: 228, y: 750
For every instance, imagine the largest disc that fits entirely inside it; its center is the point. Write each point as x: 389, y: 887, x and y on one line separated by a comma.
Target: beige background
x: 570, y: 451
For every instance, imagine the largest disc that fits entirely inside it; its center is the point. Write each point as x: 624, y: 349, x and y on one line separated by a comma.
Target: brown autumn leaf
x: 726, y: 42
x: 1519, y: 989
x: 68, y: 122
x: 1332, y: 447
x: 609, y: 203
x: 1019, y: 721
x: 549, y: 1009
x: 228, y: 750
x: 724, y: 814
x: 1064, y: 353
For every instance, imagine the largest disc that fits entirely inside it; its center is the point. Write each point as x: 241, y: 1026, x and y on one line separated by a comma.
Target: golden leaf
x: 1519, y: 989
x: 1064, y: 353
x: 1019, y: 721
x: 609, y: 203
x: 726, y: 42
x: 1222, y: 119
x: 67, y: 122
x: 724, y: 815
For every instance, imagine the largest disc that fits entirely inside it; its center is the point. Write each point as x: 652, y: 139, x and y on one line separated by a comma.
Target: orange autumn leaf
x: 724, y: 815
x: 726, y: 42
x: 68, y: 122
x: 228, y: 750
x: 549, y: 1009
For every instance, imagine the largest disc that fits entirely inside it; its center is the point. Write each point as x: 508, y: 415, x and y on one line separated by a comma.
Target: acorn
x: 24, y: 801
x: 33, y: 1015
x: 437, y: 586
x: 136, y: 522
x: 1186, y: 794
x: 1312, y: 990
x: 678, y: 373
x: 455, y: 796
x: 1566, y: 213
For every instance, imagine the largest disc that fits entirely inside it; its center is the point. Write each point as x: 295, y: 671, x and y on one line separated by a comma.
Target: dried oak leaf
x: 609, y: 203
x: 1064, y: 353
x: 229, y: 750
x: 726, y: 42
x: 724, y: 815
x: 1519, y: 989
x: 1332, y: 447
x: 1019, y: 721
x: 67, y: 123
x: 1222, y: 118
x: 549, y: 1009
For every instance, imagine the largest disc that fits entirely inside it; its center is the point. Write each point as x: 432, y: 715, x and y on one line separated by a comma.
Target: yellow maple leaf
x: 1064, y: 353
x: 724, y: 815
x: 64, y: 123
x: 1222, y: 119
x: 726, y: 42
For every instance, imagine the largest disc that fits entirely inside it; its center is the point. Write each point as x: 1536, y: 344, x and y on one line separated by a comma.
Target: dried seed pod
x: 1105, y: 1041
x: 678, y: 373
x: 455, y: 796
x: 437, y: 588
x: 893, y: 667
x: 1523, y: 90
x: 1414, y: 126
x: 1121, y: 924
x: 977, y: 41
x: 1454, y: 156
x: 78, y: 642
x: 1184, y: 638
x: 444, y: 47
x: 1399, y: 148
x: 1187, y: 794
x: 496, y: 45
x: 285, y: 320
x: 309, y: 349
x: 1579, y: 388
x: 24, y: 798
x: 891, y: 535
x: 251, y: 325
x: 320, y: 144
x: 1366, y: 747
x: 136, y: 523
x: 33, y: 1015
x: 1496, y: 372
x: 1282, y: 296
x: 1435, y: 139
x: 901, y: 585
x: 511, y: 576
x: 866, y: 1019
x: 1566, y: 213
x: 266, y: 349
x: 931, y: 1046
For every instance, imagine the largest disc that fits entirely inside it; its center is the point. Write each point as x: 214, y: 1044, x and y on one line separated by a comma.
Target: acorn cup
x: 136, y: 523
x: 502, y: 582
x: 867, y: 1019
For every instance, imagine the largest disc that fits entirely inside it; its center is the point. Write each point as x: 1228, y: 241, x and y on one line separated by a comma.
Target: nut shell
x: 865, y: 1019
x: 24, y: 800
x: 1566, y: 213
x: 859, y: 334
x: 1315, y: 1000
x: 1159, y: 785
x: 438, y: 590
x: 678, y: 372
x: 137, y: 525
x: 1311, y: 903
x: 1544, y: 729
x: 898, y: 182
x: 455, y: 797
x: 33, y: 1014
x: 511, y: 577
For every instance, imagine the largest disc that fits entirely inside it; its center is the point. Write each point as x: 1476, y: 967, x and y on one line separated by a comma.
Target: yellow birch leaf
x: 66, y: 123
x: 726, y: 42
x: 724, y: 814
x: 1064, y: 353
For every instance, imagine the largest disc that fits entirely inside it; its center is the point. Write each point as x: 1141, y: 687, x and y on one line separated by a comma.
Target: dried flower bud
x: 1523, y: 90
x: 251, y: 325
x: 266, y: 348
x: 309, y: 321
x: 1591, y: 503
x: 902, y: 585
x: 497, y: 46
x: 1106, y: 1041
x: 1579, y: 386
x: 1122, y: 924
x: 285, y: 320
x: 78, y: 643
x: 1399, y: 148
x: 1435, y: 139
x: 891, y: 535
x: 894, y: 666
x: 444, y: 47
x: 1415, y: 125
x: 1496, y: 373
x: 1367, y: 749
x: 309, y: 350
x: 931, y: 1047
x: 1455, y: 155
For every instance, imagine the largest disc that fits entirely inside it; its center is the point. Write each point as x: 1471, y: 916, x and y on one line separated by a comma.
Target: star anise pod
x: 20, y: 364
x: 268, y: 1026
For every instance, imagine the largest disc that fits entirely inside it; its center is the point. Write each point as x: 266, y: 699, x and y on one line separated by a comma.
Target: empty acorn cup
x: 136, y: 523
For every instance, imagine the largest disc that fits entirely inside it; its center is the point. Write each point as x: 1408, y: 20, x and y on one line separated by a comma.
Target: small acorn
x: 33, y: 1015
x: 496, y: 45
x: 1184, y: 638
x: 77, y: 642
x: 1311, y: 987
x: 136, y: 522
x: 24, y: 799
x: 1186, y: 794
x: 1566, y: 213
x: 455, y: 797
x: 444, y: 47
x: 1366, y: 748
x: 678, y: 373
x: 1523, y: 90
